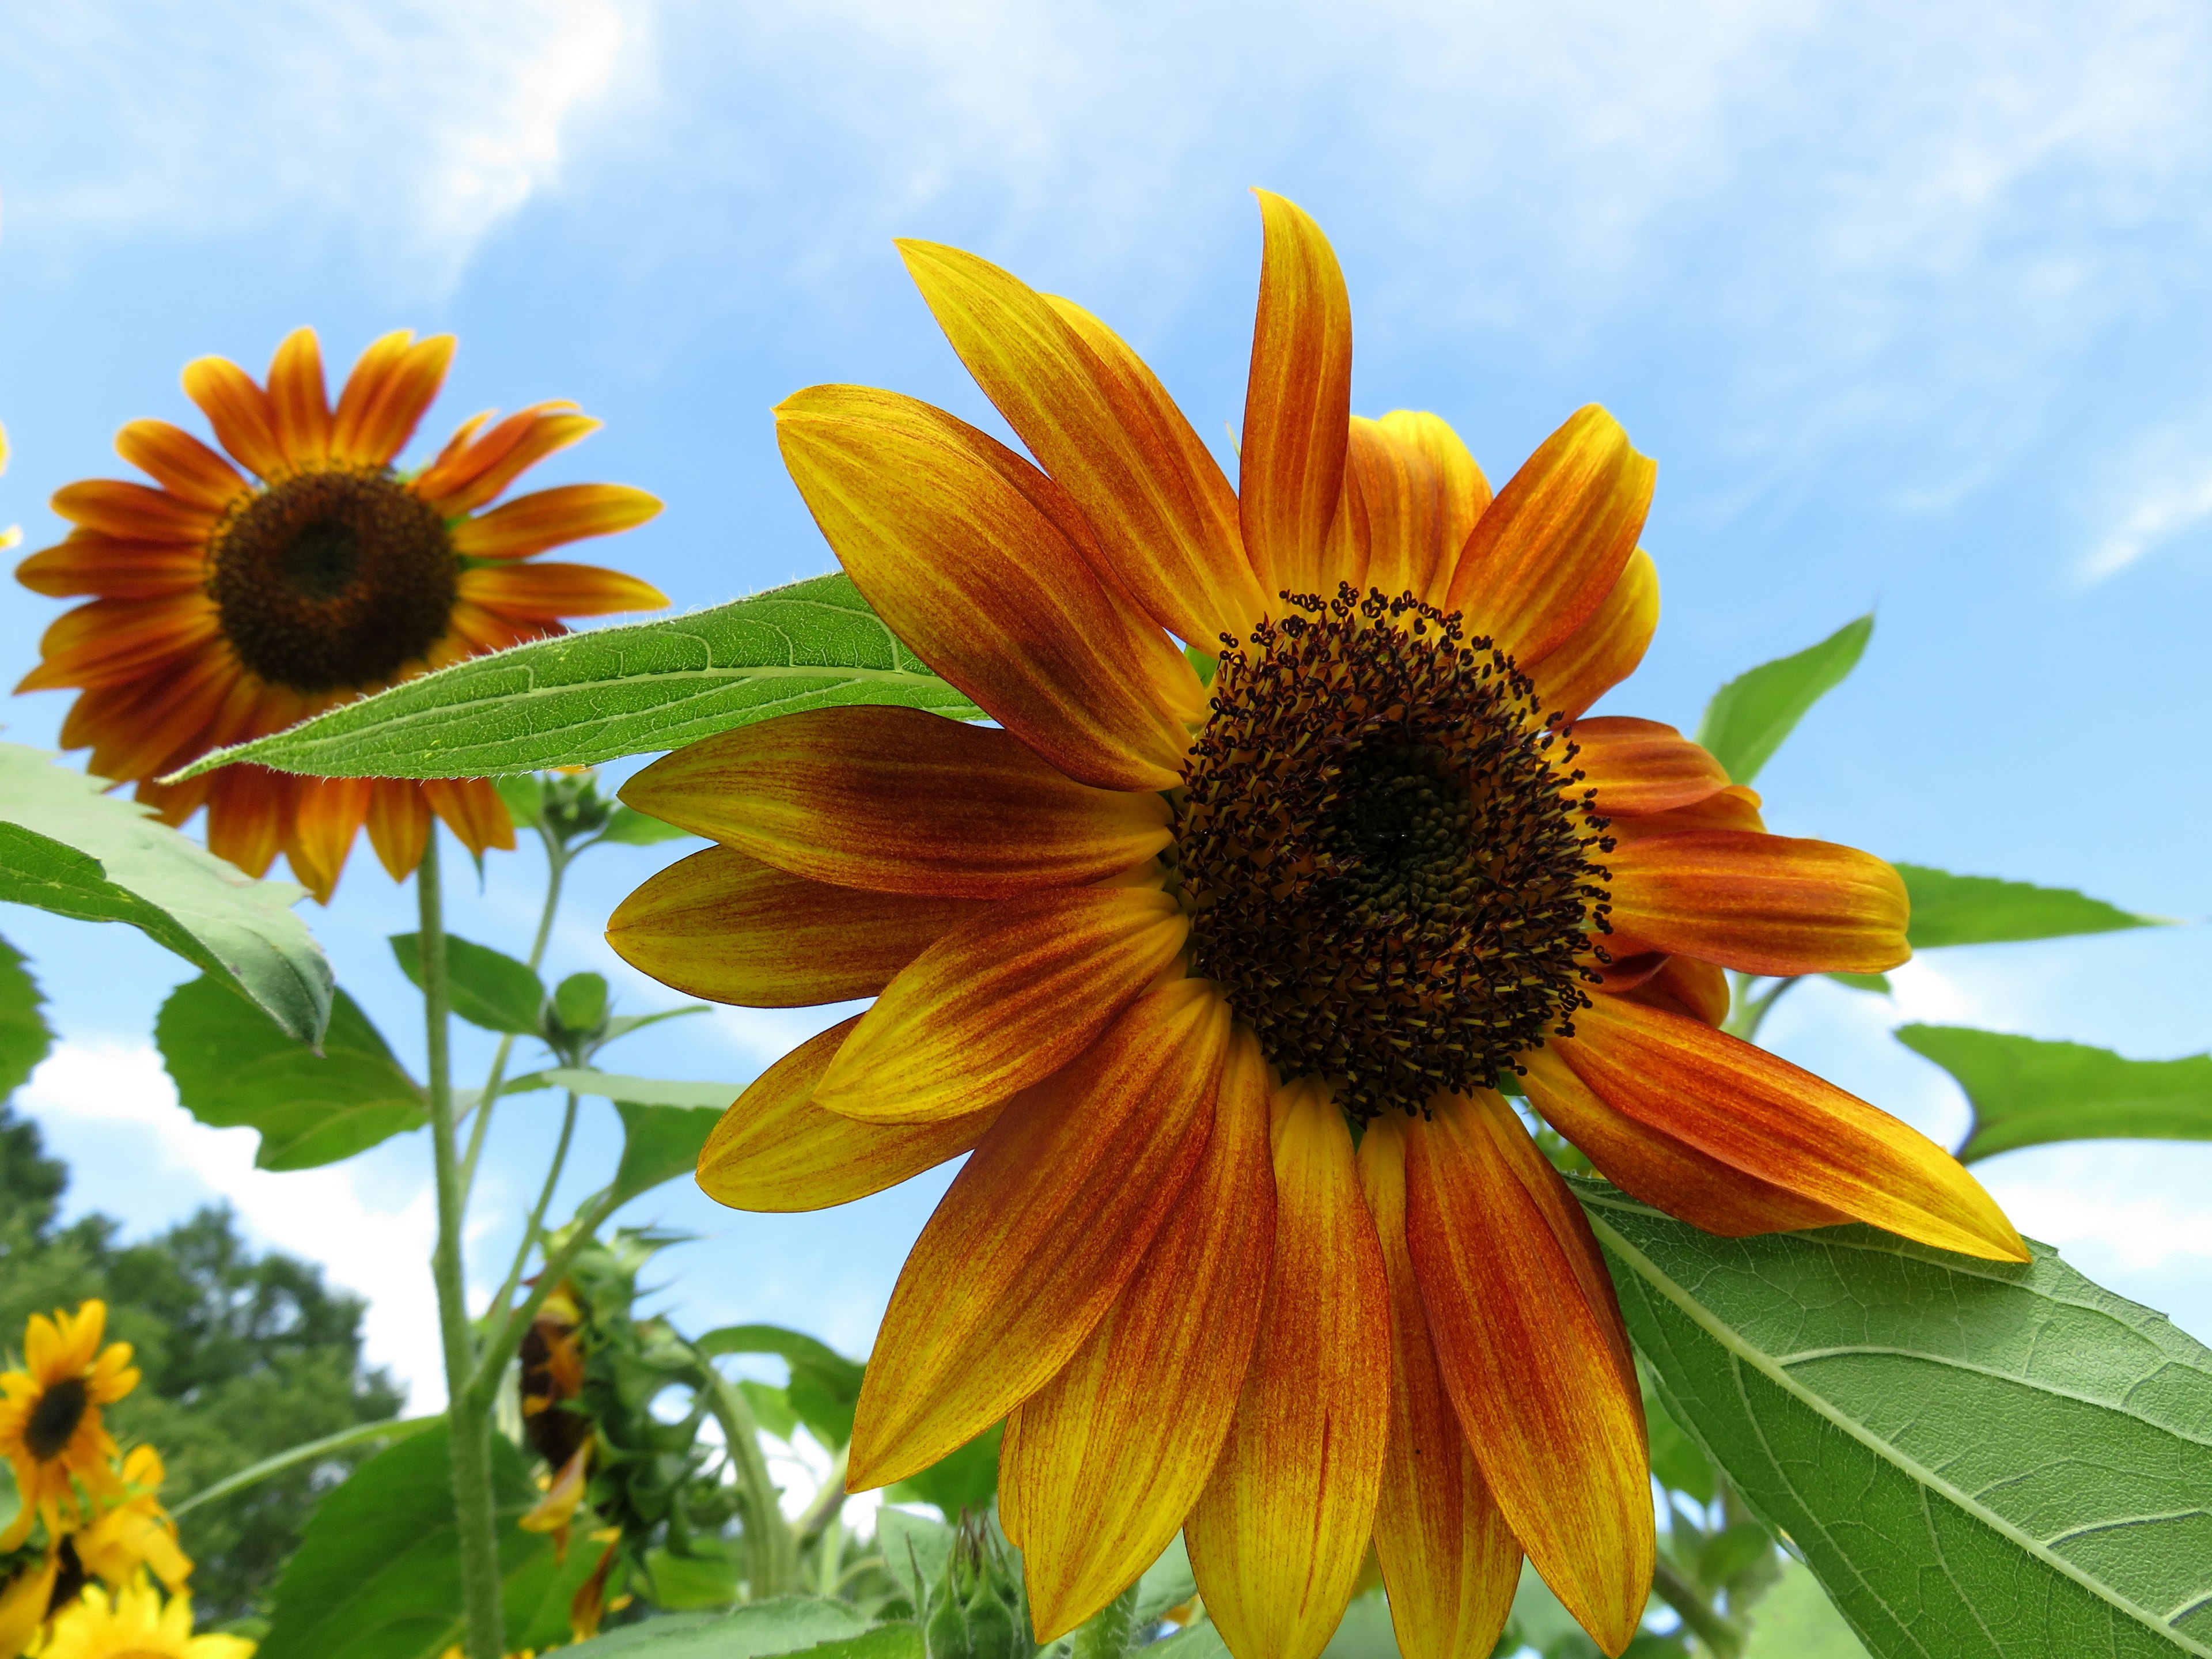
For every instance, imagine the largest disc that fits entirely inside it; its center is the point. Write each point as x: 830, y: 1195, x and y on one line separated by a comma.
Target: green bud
x: 975, y: 1607
x: 580, y: 1002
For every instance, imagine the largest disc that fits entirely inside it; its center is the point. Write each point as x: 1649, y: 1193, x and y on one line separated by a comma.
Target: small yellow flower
x: 137, y: 1532
x: 134, y: 1623
x: 50, y: 1426
x: 24, y: 1600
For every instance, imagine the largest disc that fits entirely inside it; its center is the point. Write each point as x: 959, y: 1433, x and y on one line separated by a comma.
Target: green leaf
x: 641, y: 1090
x: 771, y: 1407
x: 897, y: 1640
x: 622, y: 1026
x: 790, y: 1623
x: 1878, y: 983
x: 1949, y: 910
x: 2027, y: 1091
x: 915, y: 1549
x: 1677, y: 1460
x: 1796, y: 1621
x: 487, y: 987
x: 683, y: 1583
x: 67, y: 847
x: 966, y: 1479
x: 660, y: 1142
x: 1366, y: 1632
x: 1747, y: 719
x: 233, y: 1066
x: 629, y: 827
x: 1168, y: 1583
x: 583, y: 698
x: 378, y: 1575
x: 523, y: 794
x: 1978, y: 1459
x: 24, y: 1038
x: 824, y: 1388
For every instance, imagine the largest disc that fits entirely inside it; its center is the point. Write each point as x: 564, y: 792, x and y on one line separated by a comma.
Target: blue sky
x: 1909, y: 302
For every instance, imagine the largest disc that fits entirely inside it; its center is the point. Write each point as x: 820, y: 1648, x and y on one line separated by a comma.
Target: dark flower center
x: 334, y: 579
x: 55, y: 1417
x: 1388, y: 868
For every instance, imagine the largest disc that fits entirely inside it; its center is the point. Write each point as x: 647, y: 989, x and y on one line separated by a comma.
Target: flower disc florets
x: 333, y: 578
x: 1388, y: 868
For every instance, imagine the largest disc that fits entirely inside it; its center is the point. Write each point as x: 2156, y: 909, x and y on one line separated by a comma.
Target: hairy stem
x: 1714, y: 1633
x: 1105, y: 1634
x: 468, y: 1425
x: 772, y: 1552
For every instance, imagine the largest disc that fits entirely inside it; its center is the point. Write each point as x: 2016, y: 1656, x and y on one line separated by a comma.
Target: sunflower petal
x: 1754, y: 1111
x: 1100, y: 423
x: 1040, y: 1233
x: 1002, y: 1002
x: 1735, y: 808
x: 133, y: 512
x: 239, y: 411
x: 1297, y: 404
x: 330, y: 813
x: 1547, y: 551
x: 1421, y: 493
x: 1760, y: 904
x: 724, y: 925
x: 1529, y: 1342
x: 1101, y: 1464
x: 376, y: 427
x: 1684, y: 985
x: 1279, y: 1535
x: 299, y: 399
x: 364, y: 385
x: 776, y: 1150
x: 91, y: 562
x: 398, y: 825
x: 473, y: 810
x: 541, y: 591
x: 1606, y: 648
x: 108, y: 641
x: 901, y: 801
x: 1641, y: 765
x: 247, y: 810
x: 180, y: 464
x: 460, y: 481
x: 977, y: 561
x: 1450, y: 1562
x: 550, y: 518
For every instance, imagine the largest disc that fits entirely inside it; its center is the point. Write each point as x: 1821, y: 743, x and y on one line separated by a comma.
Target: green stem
x: 772, y: 1552
x: 309, y: 1452
x: 1750, y: 1010
x: 1718, y: 1636
x: 828, y: 1504
x: 556, y: 869
x: 532, y: 1230
x: 1105, y: 1634
x: 505, y: 1326
x: 469, y: 1427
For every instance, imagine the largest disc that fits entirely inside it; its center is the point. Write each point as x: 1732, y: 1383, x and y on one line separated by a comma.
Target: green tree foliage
x: 243, y: 1355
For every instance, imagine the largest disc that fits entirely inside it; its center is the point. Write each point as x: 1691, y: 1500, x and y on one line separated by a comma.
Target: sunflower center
x: 1388, y: 868
x: 333, y: 579
x: 54, y: 1418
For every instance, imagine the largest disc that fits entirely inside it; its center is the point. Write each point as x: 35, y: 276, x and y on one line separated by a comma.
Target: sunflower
x: 134, y: 1531
x: 25, y: 1590
x: 224, y: 608
x: 50, y: 1426
x: 1221, y: 984
x: 134, y: 1623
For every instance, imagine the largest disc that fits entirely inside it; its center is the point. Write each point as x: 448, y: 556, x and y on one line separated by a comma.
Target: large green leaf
x: 233, y: 1066
x: 487, y: 987
x: 791, y: 1624
x: 378, y: 1575
x: 1980, y: 1459
x: 2027, y: 1091
x: 67, y: 847
x: 825, y: 1387
x: 660, y: 1142
x: 1747, y: 719
x: 590, y: 697
x: 1949, y: 910
x: 24, y: 1038
x: 1796, y: 1621
x: 641, y: 1090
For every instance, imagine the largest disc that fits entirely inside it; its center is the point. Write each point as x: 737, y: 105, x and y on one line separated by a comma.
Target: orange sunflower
x: 224, y: 608
x: 1218, y: 986
x: 50, y: 1430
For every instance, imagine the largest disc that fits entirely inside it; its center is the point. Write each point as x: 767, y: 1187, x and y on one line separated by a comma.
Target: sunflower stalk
x: 469, y: 1426
x: 771, y: 1547
x: 556, y: 870
x: 505, y: 1325
x: 533, y: 1230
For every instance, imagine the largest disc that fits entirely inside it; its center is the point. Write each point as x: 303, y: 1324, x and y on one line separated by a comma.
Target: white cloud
x: 2173, y: 497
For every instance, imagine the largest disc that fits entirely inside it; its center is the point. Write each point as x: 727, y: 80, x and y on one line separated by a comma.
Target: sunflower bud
x: 976, y: 1608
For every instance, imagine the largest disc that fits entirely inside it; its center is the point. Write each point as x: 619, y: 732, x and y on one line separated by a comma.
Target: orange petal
x: 1529, y: 1340
x: 108, y: 641
x: 398, y: 825
x: 1040, y: 1233
x: 387, y: 395
x: 1735, y: 808
x: 481, y: 630
x: 901, y: 801
x: 247, y: 810
x: 1753, y: 1111
x: 149, y: 726
x: 472, y: 810
x: 298, y: 399
x: 1605, y: 649
x: 1279, y: 1535
x: 460, y: 482
x: 549, y: 518
x: 134, y: 512
x: 113, y: 568
x: 1297, y: 404
x: 1760, y: 904
x: 330, y: 811
x: 776, y: 1150
x: 180, y: 464
x: 724, y: 925
x: 1547, y: 552
x: 239, y: 411
x: 362, y: 388
x: 543, y: 591
x: 1421, y: 493
x: 976, y: 560
x: 1450, y: 1562
x: 1100, y: 423
x: 1002, y: 1002
x: 1683, y: 985
x: 1641, y: 765
x: 1101, y: 1464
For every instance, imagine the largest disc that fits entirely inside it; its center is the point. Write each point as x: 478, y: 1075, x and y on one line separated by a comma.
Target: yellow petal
x: 1761, y: 904
x: 1607, y: 647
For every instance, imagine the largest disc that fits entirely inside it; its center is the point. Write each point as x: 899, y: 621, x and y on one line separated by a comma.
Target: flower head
x: 226, y: 604
x: 134, y: 1622
x: 51, y: 1430
x: 135, y: 1532
x: 1294, y: 848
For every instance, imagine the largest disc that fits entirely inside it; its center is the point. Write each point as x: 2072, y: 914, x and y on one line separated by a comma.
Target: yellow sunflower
x: 134, y: 1531
x: 50, y: 1426
x: 134, y: 1623
x: 225, y: 607
x: 25, y: 1595
x: 1217, y: 986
